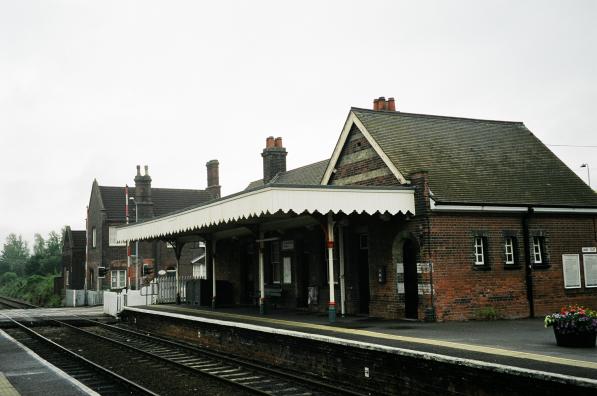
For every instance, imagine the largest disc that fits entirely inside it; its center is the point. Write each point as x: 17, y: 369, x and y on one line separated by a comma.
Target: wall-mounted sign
x: 288, y: 245
x: 591, y: 249
x: 571, y: 268
x: 590, y: 265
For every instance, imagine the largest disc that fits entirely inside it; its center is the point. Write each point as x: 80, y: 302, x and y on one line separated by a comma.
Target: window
x: 112, y: 237
x: 118, y: 279
x: 200, y: 270
x: 480, y: 251
x: 275, y: 259
x: 509, y: 246
x: 538, y: 256
x: 93, y: 238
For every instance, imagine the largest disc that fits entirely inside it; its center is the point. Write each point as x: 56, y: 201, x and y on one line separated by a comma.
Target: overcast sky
x: 90, y: 89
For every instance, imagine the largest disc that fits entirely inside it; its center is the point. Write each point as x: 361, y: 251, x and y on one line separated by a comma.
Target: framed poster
x: 287, y: 269
x: 571, y: 268
x: 590, y: 266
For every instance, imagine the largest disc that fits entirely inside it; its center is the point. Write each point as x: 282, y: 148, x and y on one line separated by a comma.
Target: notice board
x: 571, y: 268
x: 590, y: 265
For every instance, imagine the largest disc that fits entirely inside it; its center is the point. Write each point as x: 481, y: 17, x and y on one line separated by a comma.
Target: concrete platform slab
x: 26, y: 373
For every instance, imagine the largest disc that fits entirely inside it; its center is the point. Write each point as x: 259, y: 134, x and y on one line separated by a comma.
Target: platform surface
x: 23, y: 372
x: 523, y: 343
x: 51, y: 313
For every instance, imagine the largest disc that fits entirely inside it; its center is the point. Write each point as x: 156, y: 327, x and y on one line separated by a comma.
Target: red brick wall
x: 463, y: 290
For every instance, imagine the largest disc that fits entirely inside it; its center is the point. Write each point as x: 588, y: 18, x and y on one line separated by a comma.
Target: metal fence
x: 166, y: 289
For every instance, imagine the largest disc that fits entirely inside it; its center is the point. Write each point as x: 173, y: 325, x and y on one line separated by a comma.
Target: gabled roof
x: 305, y: 175
x: 165, y: 200
x: 74, y: 239
x: 475, y: 161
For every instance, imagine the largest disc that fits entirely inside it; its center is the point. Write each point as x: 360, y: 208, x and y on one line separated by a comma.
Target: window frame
x: 539, y: 248
x: 116, y: 279
x: 482, y: 254
x: 509, y: 243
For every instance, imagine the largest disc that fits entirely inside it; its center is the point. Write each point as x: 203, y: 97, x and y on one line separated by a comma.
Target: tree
x: 15, y: 254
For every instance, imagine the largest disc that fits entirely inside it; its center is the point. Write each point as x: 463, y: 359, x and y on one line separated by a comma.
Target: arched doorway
x: 411, y: 283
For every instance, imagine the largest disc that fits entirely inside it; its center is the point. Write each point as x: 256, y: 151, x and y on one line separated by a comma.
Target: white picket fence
x: 115, y: 301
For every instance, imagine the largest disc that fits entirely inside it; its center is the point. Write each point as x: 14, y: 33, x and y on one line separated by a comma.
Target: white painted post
x: 330, y: 244
x: 213, y: 274
x: 342, y: 283
x: 261, y: 276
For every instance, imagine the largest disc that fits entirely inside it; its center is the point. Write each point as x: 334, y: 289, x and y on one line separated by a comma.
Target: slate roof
x: 165, y: 200
x: 477, y: 161
x: 305, y: 175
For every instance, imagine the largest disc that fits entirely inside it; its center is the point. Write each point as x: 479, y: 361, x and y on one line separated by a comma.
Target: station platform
x: 22, y: 372
x: 520, y: 345
x: 43, y: 314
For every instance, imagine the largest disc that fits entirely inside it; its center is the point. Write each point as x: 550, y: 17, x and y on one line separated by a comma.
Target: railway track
x: 94, y: 376
x: 144, y: 359
x: 12, y: 303
x: 250, y: 377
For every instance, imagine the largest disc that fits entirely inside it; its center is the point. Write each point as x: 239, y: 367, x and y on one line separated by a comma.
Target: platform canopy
x: 270, y: 200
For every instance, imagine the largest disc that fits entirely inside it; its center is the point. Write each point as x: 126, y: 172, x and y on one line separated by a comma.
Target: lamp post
x: 586, y: 165
x: 136, y: 245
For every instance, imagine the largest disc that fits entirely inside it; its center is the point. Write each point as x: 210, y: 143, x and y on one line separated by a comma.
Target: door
x: 411, y: 284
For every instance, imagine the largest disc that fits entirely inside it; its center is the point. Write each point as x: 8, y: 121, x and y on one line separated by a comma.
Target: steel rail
x: 167, y: 360
x: 126, y: 382
x: 221, y: 356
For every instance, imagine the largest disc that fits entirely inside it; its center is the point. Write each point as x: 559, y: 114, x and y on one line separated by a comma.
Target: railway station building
x: 412, y: 216
x: 110, y: 265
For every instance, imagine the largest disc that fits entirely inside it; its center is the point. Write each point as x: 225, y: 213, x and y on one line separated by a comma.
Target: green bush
x: 487, y: 313
x: 36, y: 289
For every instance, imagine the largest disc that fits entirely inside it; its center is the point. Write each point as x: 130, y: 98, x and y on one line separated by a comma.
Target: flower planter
x: 575, y: 340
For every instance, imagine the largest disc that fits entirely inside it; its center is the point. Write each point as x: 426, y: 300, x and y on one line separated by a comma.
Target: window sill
x: 541, y: 266
x: 484, y: 267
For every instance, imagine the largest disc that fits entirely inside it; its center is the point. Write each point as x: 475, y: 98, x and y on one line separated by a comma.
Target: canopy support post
x: 261, y: 275
x: 330, y: 245
x: 213, y: 273
x: 342, y: 280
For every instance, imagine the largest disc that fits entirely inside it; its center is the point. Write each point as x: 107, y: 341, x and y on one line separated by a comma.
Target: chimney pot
x: 269, y: 142
x: 146, y: 170
x: 278, y: 142
x: 391, y: 104
x: 375, y: 104
x: 138, y: 170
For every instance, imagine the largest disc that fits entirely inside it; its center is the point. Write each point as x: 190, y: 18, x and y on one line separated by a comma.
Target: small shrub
x: 487, y: 313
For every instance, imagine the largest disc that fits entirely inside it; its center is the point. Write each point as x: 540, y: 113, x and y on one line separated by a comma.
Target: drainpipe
x: 527, y: 261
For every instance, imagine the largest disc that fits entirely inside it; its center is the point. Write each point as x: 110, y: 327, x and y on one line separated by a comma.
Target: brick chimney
x: 381, y: 104
x: 213, y: 178
x: 143, y: 201
x: 274, y: 158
